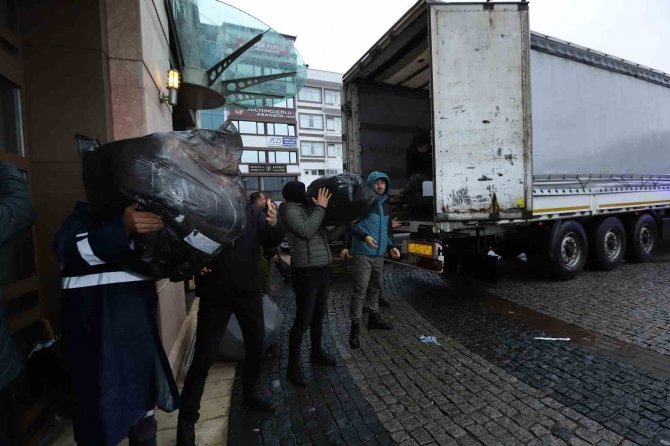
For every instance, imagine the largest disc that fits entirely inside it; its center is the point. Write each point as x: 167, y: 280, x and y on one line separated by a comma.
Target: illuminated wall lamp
x: 173, y: 79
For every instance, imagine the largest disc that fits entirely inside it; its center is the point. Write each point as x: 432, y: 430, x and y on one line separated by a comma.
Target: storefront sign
x: 271, y: 114
x: 267, y: 168
x: 282, y: 141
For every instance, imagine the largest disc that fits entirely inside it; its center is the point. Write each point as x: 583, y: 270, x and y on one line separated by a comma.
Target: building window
x: 269, y: 157
x: 322, y: 172
x: 311, y: 148
x: 286, y: 103
x: 283, y: 158
x: 332, y: 97
x: 334, y: 124
x: 310, y: 94
x: 249, y: 127
x: 314, y: 122
x: 249, y: 156
x: 334, y: 150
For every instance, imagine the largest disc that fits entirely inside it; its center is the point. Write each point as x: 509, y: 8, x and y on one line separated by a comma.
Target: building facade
x: 320, y: 125
x: 296, y: 139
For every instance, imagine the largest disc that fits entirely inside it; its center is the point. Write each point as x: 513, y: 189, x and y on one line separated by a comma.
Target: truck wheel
x: 569, y: 250
x: 608, y: 244
x: 642, y: 234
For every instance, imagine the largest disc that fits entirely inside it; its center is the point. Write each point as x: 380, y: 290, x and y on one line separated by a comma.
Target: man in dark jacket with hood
x: 16, y: 215
x: 118, y: 368
x: 231, y: 285
x: 372, y: 237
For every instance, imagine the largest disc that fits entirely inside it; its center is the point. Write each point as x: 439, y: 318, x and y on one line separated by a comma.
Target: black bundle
x: 352, y: 197
x: 190, y: 178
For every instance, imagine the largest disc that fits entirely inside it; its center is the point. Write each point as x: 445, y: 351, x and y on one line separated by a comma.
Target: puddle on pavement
x: 596, y: 343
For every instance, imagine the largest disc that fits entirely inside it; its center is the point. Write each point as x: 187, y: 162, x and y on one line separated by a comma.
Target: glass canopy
x: 232, y: 59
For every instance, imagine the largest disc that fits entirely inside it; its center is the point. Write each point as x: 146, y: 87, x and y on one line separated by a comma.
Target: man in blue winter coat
x: 119, y: 370
x: 16, y: 215
x: 371, y: 239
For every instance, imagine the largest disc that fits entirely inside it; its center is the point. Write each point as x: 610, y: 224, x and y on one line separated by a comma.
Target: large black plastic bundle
x: 190, y: 178
x: 352, y: 197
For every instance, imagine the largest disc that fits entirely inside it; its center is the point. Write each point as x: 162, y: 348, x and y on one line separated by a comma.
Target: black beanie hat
x: 294, y: 191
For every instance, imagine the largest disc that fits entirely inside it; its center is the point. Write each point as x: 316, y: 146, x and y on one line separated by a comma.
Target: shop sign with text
x: 267, y: 168
x: 282, y: 141
x: 272, y: 114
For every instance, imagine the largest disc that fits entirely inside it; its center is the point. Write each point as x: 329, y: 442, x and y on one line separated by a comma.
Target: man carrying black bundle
x: 230, y: 285
x: 371, y: 238
x: 119, y: 370
x: 310, y: 271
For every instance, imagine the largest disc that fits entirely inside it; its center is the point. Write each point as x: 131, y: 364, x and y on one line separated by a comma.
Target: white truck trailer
x: 538, y: 145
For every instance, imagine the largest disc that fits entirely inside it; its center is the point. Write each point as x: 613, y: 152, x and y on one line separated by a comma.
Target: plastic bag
x: 352, y: 198
x: 190, y: 178
x: 232, y: 343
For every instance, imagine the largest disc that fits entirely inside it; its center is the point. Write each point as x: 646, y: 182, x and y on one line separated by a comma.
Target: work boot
x: 375, y: 322
x: 354, y: 335
x: 294, y: 373
x: 257, y: 399
x: 144, y: 432
x: 321, y: 357
x: 185, y: 433
x: 384, y: 302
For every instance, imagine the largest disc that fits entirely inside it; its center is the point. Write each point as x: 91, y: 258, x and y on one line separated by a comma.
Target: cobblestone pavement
x: 631, y: 304
x: 488, y: 382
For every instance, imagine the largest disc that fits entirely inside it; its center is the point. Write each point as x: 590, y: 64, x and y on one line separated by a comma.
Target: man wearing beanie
x: 310, y: 260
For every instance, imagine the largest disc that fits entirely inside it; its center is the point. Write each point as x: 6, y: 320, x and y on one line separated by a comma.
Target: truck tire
x: 608, y: 244
x: 642, y: 236
x: 568, y: 250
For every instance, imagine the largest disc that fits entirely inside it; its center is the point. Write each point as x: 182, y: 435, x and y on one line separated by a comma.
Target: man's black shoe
x: 354, y: 335
x: 295, y: 376
x: 185, y: 433
x: 144, y: 432
x: 323, y: 358
x: 257, y: 399
x: 384, y: 302
x: 375, y: 322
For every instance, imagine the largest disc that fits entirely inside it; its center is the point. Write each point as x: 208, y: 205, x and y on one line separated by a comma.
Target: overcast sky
x: 334, y: 34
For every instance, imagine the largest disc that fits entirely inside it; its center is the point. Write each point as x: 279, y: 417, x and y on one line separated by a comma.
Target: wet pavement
x: 488, y: 380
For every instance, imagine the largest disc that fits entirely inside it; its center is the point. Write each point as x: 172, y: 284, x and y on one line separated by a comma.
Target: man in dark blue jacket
x: 372, y: 238
x: 16, y: 214
x: 119, y: 370
x: 230, y: 286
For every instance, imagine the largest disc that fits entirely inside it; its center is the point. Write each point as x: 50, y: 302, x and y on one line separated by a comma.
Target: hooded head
x: 378, y: 178
x: 294, y: 192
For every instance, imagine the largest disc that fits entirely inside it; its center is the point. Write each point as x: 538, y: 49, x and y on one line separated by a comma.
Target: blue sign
x: 290, y: 141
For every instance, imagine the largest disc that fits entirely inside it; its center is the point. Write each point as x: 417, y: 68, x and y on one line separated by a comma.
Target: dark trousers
x: 311, y: 286
x: 213, y: 316
x: 8, y: 417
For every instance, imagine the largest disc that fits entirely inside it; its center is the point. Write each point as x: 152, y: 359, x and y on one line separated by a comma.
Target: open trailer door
x: 480, y: 85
